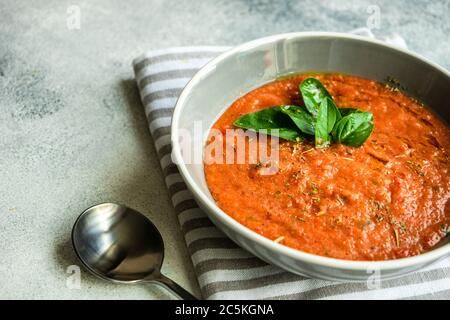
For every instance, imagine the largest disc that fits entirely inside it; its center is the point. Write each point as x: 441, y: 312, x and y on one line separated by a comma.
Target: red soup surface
x: 387, y: 199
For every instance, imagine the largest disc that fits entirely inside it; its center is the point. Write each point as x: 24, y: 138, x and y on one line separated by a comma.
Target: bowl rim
x: 234, y: 225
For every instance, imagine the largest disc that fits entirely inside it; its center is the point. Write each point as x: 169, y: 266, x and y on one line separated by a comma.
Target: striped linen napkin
x: 224, y: 270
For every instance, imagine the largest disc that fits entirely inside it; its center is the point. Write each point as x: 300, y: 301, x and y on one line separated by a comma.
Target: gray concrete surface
x: 73, y: 132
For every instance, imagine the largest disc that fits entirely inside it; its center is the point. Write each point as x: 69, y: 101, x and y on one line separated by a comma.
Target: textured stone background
x: 73, y: 131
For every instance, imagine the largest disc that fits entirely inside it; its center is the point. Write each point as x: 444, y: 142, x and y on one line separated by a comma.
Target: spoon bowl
x: 120, y: 244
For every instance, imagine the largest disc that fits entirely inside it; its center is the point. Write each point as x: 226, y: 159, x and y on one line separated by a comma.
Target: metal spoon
x: 119, y: 244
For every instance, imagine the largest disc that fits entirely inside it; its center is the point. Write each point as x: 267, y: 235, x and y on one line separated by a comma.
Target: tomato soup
x: 386, y: 199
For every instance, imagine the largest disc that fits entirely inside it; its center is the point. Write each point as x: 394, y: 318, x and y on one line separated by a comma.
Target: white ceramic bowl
x: 255, y: 63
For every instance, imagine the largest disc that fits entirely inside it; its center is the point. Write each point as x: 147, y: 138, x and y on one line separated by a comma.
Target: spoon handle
x: 175, y: 288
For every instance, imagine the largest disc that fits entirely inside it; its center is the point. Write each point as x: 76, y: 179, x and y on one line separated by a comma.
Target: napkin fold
x: 223, y: 269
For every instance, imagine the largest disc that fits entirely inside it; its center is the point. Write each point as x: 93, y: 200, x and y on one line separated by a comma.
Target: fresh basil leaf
x: 354, y: 129
x: 271, y: 119
x: 343, y: 112
x: 338, y: 128
x: 327, y: 116
x: 322, y: 138
x: 334, y: 115
x: 313, y: 93
x: 347, y: 111
x: 300, y: 116
x: 284, y: 133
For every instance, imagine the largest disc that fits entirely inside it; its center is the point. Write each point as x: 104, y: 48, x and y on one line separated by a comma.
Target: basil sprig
x: 320, y: 118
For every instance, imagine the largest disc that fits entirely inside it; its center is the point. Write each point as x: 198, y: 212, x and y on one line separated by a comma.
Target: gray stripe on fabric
x: 164, y: 150
x: 161, y: 94
x: 256, y: 282
x: 343, y: 288
x: 161, y: 131
x: 440, y: 295
x: 195, y: 224
x: 170, y: 169
x: 211, y: 243
x: 174, y: 56
x: 228, y: 264
x: 158, y: 113
x: 167, y: 75
x: 176, y: 187
x: 185, y: 205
